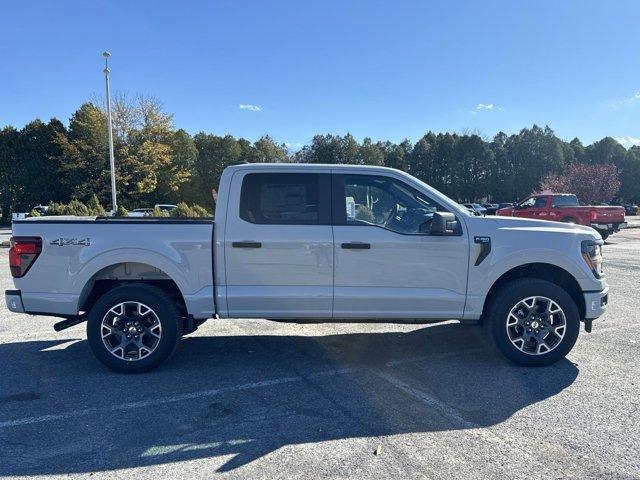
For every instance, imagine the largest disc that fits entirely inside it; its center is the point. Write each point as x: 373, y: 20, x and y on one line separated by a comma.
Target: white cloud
x: 634, y: 99
x: 252, y: 108
x: 628, y: 141
x: 490, y: 107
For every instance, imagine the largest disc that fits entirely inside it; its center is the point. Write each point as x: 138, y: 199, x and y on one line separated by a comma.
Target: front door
x: 387, y: 265
x: 533, y: 207
x: 279, y: 246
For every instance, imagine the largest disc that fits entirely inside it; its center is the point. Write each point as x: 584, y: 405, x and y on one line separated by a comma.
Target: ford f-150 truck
x: 566, y: 208
x: 310, y: 243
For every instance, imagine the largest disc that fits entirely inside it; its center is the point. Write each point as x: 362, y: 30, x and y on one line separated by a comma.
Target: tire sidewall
x: 154, y: 298
x: 519, y: 290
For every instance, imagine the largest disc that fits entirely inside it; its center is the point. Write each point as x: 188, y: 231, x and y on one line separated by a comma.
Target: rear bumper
x: 596, y: 303
x: 611, y: 227
x: 13, y: 299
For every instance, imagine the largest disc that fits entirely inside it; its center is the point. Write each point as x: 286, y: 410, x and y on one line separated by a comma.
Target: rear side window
x: 285, y: 199
x: 565, y: 201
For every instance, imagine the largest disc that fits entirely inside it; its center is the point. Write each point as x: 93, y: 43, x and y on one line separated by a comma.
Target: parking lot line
x: 451, y: 413
x: 172, y: 398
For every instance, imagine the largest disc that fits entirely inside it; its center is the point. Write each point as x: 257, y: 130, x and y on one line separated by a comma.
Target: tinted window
x: 565, y: 201
x: 541, y: 202
x: 283, y: 199
x: 383, y: 202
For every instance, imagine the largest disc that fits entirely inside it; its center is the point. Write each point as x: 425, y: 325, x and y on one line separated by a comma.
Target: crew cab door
x: 279, y: 245
x: 387, y: 265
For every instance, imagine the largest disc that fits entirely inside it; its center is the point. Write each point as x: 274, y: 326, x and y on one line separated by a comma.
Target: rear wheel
x: 569, y: 220
x: 533, y: 322
x: 604, y: 233
x: 134, y: 328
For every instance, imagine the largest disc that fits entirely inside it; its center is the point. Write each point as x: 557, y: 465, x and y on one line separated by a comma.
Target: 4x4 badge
x: 62, y: 242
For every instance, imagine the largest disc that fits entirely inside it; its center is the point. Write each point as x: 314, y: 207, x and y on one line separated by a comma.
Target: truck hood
x: 514, y: 223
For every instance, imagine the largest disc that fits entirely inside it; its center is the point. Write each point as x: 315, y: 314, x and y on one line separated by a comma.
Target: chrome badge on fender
x: 63, y: 242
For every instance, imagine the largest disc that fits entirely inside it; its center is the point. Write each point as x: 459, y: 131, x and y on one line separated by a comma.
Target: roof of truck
x: 304, y: 166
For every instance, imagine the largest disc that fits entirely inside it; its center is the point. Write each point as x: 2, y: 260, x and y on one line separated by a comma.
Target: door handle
x: 356, y: 246
x: 246, y: 245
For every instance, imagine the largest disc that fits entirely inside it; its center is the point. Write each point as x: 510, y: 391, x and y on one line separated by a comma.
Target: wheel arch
x: 127, y: 272
x: 543, y: 271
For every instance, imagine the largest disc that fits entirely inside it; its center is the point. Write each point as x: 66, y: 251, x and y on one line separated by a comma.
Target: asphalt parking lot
x: 258, y: 399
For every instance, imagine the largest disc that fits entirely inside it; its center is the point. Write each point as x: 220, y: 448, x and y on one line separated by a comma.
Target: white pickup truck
x: 308, y: 243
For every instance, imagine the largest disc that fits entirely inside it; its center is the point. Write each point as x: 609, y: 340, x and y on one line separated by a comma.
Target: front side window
x: 282, y: 199
x: 383, y: 202
x: 527, y: 203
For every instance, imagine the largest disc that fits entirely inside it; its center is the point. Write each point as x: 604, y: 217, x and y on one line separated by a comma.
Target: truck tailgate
x: 608, y: 215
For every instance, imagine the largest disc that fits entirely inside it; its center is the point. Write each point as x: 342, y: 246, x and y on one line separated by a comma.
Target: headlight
x: 592, y: 255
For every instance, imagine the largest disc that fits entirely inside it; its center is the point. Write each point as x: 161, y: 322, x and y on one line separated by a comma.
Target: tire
x: 144, y: 313
x: 604, y: 234
x: 516, y: 339
x: 569, y: 220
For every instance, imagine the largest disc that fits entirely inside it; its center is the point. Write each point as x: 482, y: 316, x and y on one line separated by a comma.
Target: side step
x: 68, y: 322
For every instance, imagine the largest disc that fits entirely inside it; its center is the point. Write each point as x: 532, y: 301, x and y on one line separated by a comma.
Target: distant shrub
x: 34, y: 213
x: 364, y: 213
x: 77, y: 208
x: 122, y: 212
x: 94, y: 206
x: 158, y: 212
x: 200, y: 211
x: 182, y: 210
x: 56, y: 209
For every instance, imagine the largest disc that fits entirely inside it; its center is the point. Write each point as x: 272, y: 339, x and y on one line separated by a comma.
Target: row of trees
x: 157, y: 163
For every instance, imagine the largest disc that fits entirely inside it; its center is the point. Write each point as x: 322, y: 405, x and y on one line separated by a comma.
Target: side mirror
x: 444, y: 223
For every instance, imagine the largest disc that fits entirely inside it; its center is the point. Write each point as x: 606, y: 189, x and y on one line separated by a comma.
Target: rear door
x: 387, y: 265
x: 279, y: 245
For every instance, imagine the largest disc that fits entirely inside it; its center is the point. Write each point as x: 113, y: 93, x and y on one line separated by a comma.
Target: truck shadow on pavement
x: 236, y: 399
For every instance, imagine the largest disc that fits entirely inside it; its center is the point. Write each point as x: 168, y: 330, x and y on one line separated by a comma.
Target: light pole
x: 112, y: 165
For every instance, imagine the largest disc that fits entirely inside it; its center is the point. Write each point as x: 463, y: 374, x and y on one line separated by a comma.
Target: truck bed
x: 77, y: 252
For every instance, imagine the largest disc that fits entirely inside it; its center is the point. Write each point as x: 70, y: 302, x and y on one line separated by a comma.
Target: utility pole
x: 112, y: 164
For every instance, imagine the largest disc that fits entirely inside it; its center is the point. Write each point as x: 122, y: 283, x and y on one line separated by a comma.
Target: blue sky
x: 387, y: 70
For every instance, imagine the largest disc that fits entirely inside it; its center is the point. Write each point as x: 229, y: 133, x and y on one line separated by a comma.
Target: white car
x: 310, y: 243
x: 147, y: 212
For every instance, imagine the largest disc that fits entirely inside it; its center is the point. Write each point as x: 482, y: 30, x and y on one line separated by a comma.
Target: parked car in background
x: 476, y: 208
x: 165, y: 207
x: 630, y: 209
x: 141, y: 212
x: 564, y: 207
x: 492, y: 208
x: 148, y: 212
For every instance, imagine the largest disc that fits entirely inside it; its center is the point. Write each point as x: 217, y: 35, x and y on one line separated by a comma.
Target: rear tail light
x: 593, y: 215
x: 22, y: 254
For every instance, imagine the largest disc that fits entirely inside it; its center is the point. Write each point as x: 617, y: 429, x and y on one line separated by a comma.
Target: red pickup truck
x: 566, y: 208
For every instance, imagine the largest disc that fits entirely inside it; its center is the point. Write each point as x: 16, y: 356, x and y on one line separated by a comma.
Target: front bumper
x: 13, y: 299
x: 610, y: 227
x: 595, y: 303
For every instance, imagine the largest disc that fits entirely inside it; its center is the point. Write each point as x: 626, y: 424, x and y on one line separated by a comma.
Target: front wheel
x: 134, y: 328
x: 534, y: 322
